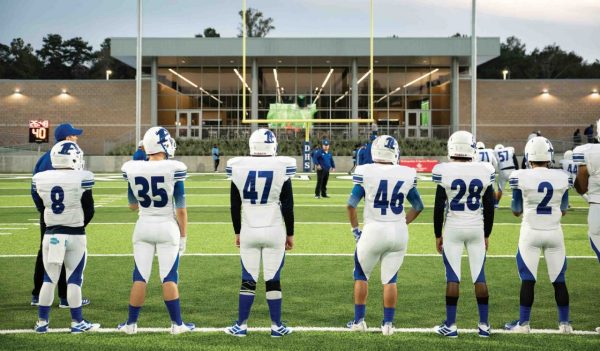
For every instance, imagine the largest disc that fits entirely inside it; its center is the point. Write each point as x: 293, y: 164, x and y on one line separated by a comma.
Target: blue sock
x: 134, y: 313
x: 44, y: 312
x: 275, y: 311
x: 483, y: 313
x: 174, y: 311
x: 524, y: 313
x: 563, y: 313
x: 359, y: 312
x: 450, y: 315
x: 388, y: 314
x: 76, y: 314
x: 245, y: 305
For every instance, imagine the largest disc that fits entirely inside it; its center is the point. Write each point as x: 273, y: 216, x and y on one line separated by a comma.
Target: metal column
x: 254, y: 96
x: 354, y: 112
x: 454, y: 96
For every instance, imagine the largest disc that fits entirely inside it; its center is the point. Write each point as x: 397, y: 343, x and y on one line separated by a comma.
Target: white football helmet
x: 498, y: 147
x: 461, y: 144
x: 568, y: 155
x: 158, y: 139
x: 480, y: 145
x: 67, y: 154
x: 263, y: 143
x: 385, y: 149
x: 539, y: 149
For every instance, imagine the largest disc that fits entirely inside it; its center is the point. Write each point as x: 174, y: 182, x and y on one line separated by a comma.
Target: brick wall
x: 104, y: 109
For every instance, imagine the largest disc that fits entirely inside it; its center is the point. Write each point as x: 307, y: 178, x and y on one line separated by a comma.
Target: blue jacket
x: 215, y: 153
x: 313, y: 155
x: 364, y: 156
x: 140, y: 155
x: 43, y: 164
x: 324, y: 159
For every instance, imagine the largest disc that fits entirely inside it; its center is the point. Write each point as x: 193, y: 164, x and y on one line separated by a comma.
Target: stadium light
x: 504, y: 73
x: 323, y: 85
x: 595, y: 92
x: 17, y: 91
x: 277, y: 85
x: 237, y: 73
x: 421, y: 77
x: 108, y: 73
x: 184, y: 78
x: 363, y: 77
x: 341, y: 97
x: 64, y: 91
x: 545, y: 91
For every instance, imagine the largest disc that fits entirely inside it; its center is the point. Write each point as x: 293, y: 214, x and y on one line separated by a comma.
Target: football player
x: 65, y: 194
x: 507, y: 163
x: 155, y: 188
x: 262, y: 212
x: 384, y: 185
x: 465, y: 193
x: 541, y: 195
x: 486, y: 155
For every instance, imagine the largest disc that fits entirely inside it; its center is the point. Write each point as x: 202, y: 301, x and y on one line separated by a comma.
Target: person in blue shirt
x: 216, y: 156
x: 62, y: 132
x: 324, y: 163
x: 140, y: 154
x: 355, y: 152
x: 313, y: 153
x: 364, y: 156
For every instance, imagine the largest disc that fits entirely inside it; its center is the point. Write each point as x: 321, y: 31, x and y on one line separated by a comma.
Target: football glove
x: 182, y: 241
x: 357, y: 233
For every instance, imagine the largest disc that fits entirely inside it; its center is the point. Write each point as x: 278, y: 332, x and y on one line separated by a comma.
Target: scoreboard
x: 38, y: 131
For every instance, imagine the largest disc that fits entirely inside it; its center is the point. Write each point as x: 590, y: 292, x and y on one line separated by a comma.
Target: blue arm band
x: 517, y: 201
x: 130, y: 197
x: 415, y: 199
x: 358, y: 192
x: 564, y: 203
x: 179, y: 195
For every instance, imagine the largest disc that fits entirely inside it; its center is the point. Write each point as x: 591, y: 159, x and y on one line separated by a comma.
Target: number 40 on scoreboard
x: 38, y: 131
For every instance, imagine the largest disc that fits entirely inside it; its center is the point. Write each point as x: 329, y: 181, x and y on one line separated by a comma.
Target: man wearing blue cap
x: 64, y: 131
x: 324, y: 162
x: 364, y: 155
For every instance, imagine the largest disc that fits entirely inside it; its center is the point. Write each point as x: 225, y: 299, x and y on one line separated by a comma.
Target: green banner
x: 290, y: 111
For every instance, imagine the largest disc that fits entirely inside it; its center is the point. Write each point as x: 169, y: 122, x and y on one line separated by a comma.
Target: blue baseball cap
x: 64, y: 130
x: 325, y: 142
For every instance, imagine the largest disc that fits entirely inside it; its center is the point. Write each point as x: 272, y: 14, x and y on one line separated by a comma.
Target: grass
x: 317, y: 289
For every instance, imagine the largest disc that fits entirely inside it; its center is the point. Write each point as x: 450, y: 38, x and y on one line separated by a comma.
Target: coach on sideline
x: 324, y: 162
x: 62, y: 132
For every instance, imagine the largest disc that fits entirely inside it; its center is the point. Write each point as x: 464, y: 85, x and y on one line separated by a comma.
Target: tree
x: 77, y: 55
x: 256, y: 25
x: 103, y: 62
x: 52, y: 54
x: 513, y: 56
x: 553, y: 62
x: 209, y: 32
x: 18, y: 61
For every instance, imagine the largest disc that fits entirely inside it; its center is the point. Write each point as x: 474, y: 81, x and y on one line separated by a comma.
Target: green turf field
x: 317, y: 278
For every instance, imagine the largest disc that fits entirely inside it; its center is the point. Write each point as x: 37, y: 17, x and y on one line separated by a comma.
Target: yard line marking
x: 301, y: 223
x: 14, y: 228
x: 288, y: 254
x: 5, y: 233
x: 297, y: 329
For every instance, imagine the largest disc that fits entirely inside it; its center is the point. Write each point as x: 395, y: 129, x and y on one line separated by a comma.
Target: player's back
x: 386, y: 188
x: 542, y: 191
x: 465, y: 184
x: 505, y: 157
x: 589, y: 155
x: 259, y: 181
x: 60, y: 191
x: 487, y: 155
x: 153, y: 184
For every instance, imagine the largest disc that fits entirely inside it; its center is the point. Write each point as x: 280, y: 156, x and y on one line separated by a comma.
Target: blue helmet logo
x: 66, y: 147
x: 269, y: 136
x: 390, y: 143
x: 163, y: 135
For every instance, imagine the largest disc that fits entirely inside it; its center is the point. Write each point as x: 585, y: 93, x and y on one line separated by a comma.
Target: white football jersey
x: 589, y: 155
x: 570, y: 167
x: 487, y: 155
x: 153, y: 184
x: 61, y: 191
x: 542, y: 189
x: 386, y: 188
x: 505, y: 158
x: 465, y: 183
x: 260, y: 181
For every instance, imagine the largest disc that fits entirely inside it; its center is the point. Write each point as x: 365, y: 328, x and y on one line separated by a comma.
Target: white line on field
x: 287, y: 254
x: 299, y: 329
x: 299, y: 223
x: 21, y: 228
x: 5, y: 233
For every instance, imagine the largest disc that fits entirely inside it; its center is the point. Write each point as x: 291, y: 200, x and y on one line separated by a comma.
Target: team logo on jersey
x: 66, y: 147
x: 269, y: 136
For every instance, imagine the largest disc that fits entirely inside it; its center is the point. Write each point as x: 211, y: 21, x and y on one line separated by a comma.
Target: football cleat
x: 278, y: 331
x: 237, y: 330
x: 565, y: 328
x: 449, y: 331
x: 127, y: 328
x: 387, y: 328
x: 317, y: 197
x: 517, y: 327
x: 326, y: 196
x: 361, y: 326
x: 183, y: 328
x: 35, y: 300
x: 484, y: 330
x: 598, y: 330
x: 65, y: 304
x: 41, y: 327
x: 83, y: 326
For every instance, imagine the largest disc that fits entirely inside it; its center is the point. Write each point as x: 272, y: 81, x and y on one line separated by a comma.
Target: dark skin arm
x: 581, y: 181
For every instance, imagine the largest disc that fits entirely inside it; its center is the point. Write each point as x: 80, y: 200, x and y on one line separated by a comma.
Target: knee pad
x: 273, y: 288
x: 248, y: 287
x: 561, y: 294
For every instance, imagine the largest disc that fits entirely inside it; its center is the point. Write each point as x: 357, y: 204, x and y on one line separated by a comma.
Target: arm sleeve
x: 287, y: 206
x: 488, y: 211
x: 236, y: 208
x: 130, y: 196
x: 358, y: 192
x: 332, y: 162
x: 515, y: 161
x: 37, y: 200
x: 438, y: 210
x: 87, y: 203
x: 517, y: 201
x: 415, y: 199
x: 179, y: 194
x: 564, y: 203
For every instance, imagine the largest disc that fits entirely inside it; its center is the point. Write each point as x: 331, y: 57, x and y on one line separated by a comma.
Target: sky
x: 572, y: 24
